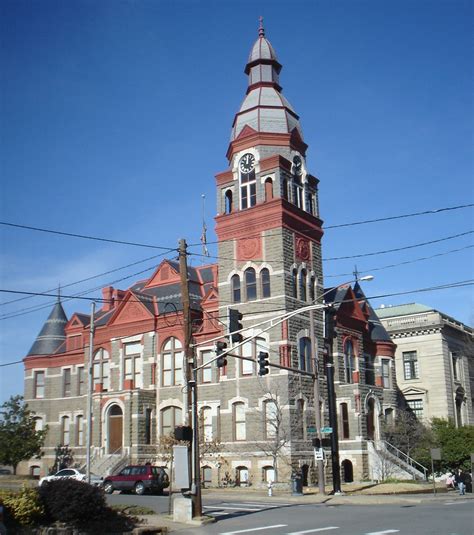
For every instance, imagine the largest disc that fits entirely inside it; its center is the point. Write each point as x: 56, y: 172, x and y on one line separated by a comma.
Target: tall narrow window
x: 248, y: 350
x: 101, y: 369
x: 301, y: 417
x: 250, y: 284
x: 386, y: 383
x: 268, y: 189
x: 81, y: 381
x: 206, y: 419
x: 39, y: 385
x: 133, y: 364
x: 239, y: 421
x: 312, y: 288
x: 349, y: 361
x: 369, y: 369
x: 172, y: 363
x: 410, y: 364
x: 303, y: 294
x: 66, y: 382
x: 284, y: 188
x: 148, y: 413
x: 454, y: 359
x: 228, y: 201
x: 38, y: 423
x: 310, y: 202
x: 206, y: 370
x: 297, y: 192
x: 271, y: 419
x: 80, y: 430
x: 235, y: 283
x: 170, y: 418
x: 265, y: 282
x: 305, y: 354
x: 294, y: 283
x: 65, y: 424
x: 344, y: 421
x: 248, y: 190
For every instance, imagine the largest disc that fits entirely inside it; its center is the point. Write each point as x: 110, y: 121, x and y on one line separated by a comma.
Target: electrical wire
x: 85, y: 237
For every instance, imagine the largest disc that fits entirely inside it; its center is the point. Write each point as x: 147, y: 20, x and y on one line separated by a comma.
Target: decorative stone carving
x: 249, y: 248
x: 302, y: 249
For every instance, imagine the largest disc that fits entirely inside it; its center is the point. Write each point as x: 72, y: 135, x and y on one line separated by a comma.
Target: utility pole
x: 336, y: 470
x: 317, y: 408
x: 89, y: 393
x: 190, y: 380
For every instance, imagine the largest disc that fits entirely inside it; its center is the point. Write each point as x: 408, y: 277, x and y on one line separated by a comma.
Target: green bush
x: 23, y: 508
x: 80, y: 505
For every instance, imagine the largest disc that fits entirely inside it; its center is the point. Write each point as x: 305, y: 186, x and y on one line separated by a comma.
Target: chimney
x: 108, y: 296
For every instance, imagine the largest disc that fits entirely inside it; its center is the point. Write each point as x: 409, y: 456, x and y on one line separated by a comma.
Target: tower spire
x: 261, y: 29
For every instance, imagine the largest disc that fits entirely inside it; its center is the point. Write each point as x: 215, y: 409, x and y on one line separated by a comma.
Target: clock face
x: 297, y: 165
x: 247, y: 163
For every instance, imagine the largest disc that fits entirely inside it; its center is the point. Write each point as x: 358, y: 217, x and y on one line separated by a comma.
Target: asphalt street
x: 449, y: 516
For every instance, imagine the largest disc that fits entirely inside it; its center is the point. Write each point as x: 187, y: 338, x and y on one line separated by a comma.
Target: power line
x: 369, y: 270
x: 85, y: 237
x: 88, y: 278
x: 447, y: 286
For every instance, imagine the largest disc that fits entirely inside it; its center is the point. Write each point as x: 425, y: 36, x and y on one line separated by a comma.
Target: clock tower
x: 269, y: 234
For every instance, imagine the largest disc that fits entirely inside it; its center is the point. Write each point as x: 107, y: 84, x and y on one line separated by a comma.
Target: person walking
x: 460, y: 479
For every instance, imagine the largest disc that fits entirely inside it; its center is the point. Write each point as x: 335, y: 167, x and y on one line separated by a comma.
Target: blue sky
x: 116, y: 115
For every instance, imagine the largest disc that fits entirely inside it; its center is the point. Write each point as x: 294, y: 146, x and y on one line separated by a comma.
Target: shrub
x: 80, y: 505
x: 22, y: 508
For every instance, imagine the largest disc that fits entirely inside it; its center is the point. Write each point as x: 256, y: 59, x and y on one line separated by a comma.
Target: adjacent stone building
x: 269, y: 233
x: 434, y: 361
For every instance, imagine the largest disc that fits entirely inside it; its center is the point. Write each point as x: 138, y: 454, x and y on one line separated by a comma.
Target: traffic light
x: 221, y: 360
x: 235, y: 325
x: 263, y: 363
x: 323, y: 443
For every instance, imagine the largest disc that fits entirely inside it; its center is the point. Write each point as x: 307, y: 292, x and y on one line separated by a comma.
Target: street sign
x: 319, y: 454
x: 326, y: 429
x: 311, y: 429
x: 435, y: 454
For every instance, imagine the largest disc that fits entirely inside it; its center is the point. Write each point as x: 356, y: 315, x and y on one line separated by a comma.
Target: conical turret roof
x: 52, y: 335
x: 264, y: 108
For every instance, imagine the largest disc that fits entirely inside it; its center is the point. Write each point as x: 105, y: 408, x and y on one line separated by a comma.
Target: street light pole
x: 89, y: 393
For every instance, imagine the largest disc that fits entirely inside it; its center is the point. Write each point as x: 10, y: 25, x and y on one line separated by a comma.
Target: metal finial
x: 261, y: 30
x: 59, y: 292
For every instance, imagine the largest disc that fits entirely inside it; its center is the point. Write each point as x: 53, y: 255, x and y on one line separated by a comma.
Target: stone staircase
x: 109, y: 463
x: 388, y: 461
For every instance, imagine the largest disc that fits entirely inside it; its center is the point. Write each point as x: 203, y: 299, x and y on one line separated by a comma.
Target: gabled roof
x: 376, y: 329
x: 52, y: 335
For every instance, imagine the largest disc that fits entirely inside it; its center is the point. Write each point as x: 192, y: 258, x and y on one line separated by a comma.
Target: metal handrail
x: 107, y: 458
x: 405, y: 458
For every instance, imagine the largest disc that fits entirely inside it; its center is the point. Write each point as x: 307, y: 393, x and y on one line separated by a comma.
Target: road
x: 449, y: 516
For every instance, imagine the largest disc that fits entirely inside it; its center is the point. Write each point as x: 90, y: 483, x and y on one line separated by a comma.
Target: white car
x: 71, y: 473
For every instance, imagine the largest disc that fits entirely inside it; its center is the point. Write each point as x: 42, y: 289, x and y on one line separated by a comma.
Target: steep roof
x: 376, y: 329
x: 52, y: 335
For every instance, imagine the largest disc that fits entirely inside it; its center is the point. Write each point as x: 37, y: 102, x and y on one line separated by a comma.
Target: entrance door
x: 115, y: 429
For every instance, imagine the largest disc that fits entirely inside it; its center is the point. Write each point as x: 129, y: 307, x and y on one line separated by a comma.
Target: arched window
x: 248, y: 190
x: 303, y: 294
x: 235, y: 283
x: 310, y: 202
x: 80, y: 430
x: 271, y: 419
x: 344, y: 421
x: 206, y: 419
x: 297, y: 192
x: 349, y: 361
x: 294, y: 282
x: 305, y: 354
x: 170, y: 418
x: 228, y: 201
x: 65, y: 425
x: 284, y: 188
x: 250, y: 284
x: 268, y: 474
x: 101, y: 365
x: 265, y: 282
x: 268, y: 189
x: 242, y: 476
x: 172, y: 363
x: 238, y: 413
x: 35, y: 471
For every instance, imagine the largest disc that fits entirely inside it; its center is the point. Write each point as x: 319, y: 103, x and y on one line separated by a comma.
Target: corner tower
x: 269, y: 234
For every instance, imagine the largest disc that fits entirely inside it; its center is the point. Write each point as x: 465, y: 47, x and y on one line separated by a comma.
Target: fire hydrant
x: 270, y: 488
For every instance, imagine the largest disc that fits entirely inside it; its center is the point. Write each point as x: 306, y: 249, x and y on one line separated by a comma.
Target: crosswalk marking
x: 254, y: 529
x: 312, y: 530
x: 225, y: 507
x: 383, y: 532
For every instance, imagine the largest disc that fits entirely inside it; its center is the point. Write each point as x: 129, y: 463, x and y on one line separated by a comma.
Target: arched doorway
x: 241, y: 476
x: 304, y: 474
x: 371, y: 419
x: 115, y: 428
x: 347, y: 471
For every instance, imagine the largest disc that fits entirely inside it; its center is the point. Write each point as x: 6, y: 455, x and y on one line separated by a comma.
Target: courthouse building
x: 269, y: 231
